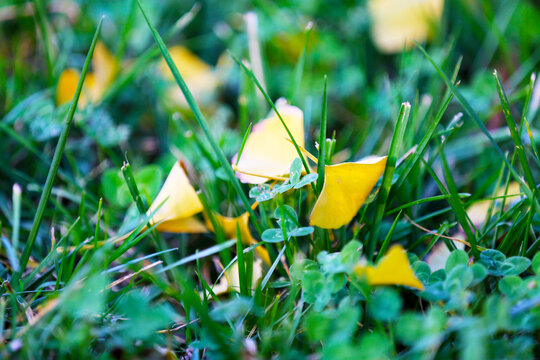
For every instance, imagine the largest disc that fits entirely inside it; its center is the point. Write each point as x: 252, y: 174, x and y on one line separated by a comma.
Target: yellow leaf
x: 346, y: 187
x: 200, y: 77
x: 267, y: 151
x: 229, y: 224
x: 396, y: 24
x: 393, y: 269
x: 179, y: 203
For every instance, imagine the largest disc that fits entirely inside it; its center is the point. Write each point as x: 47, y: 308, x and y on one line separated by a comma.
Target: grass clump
x: 269, y: 180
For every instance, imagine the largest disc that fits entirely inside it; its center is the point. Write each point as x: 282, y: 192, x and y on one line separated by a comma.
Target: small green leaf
x: 479, y: 273
x: 385, y: 304
x: 301, y: 231
x: 509, y: 285
x: 493, y: 261
x: 515, y: 265
x: 456, y: 257
x: 272, y: 236
x: 283, y: 187
x: 296, y: 171
x: 262, y: 192
x: 422, y: 271
x: 308, y: 179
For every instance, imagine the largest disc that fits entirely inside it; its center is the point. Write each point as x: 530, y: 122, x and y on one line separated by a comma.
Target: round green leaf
x: 455, y: 258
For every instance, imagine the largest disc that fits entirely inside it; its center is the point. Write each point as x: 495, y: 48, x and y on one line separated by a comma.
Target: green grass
x: 457, y: 116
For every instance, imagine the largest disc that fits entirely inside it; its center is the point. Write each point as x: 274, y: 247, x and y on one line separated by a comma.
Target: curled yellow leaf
x: 267, y: 151
x: 393, y: 269
x: 176, y: 204
x: 346, y: 187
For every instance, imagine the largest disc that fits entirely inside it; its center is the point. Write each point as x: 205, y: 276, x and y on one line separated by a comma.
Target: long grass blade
x: 55, y: 163
x: 386, y: 183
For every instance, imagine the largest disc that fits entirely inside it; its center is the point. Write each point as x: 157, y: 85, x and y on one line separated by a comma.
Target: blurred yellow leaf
x: 201, y: 79
x: 346, y: 187
x: 105, y: 68
x: 396, y: 24
x: 393, y: 269
x: 267, y: 151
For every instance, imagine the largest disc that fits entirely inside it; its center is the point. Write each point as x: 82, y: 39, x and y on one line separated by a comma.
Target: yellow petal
x: 231, y: 280
x: 267, y: 151
x: 396, y: 24
x: 229, y: 224
x: 179, y: 202
x: 346, y: 187
x: 393, y: 269
x: 198, y: 75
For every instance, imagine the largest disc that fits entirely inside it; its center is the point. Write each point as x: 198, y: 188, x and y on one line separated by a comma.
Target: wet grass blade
x: 423, y: 201
x: 388, y: 238
x: 422, y: 146
x: 55, y: 163
x: 201, y: 254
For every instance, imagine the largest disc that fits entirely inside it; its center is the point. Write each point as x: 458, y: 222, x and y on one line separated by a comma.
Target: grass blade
x: 322, y: 141
x: 55, y: 163
x: 514, y: 132
x: 386, y: 183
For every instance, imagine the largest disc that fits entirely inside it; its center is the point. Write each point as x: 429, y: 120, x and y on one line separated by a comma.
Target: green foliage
x: 115, y: 189
x: 83, y: 276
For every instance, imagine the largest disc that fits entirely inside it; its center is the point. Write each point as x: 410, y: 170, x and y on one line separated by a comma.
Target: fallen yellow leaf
x: 393, y: 269
x: 176, y: 204
x: 267, y: 151
x: 346, y: 187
